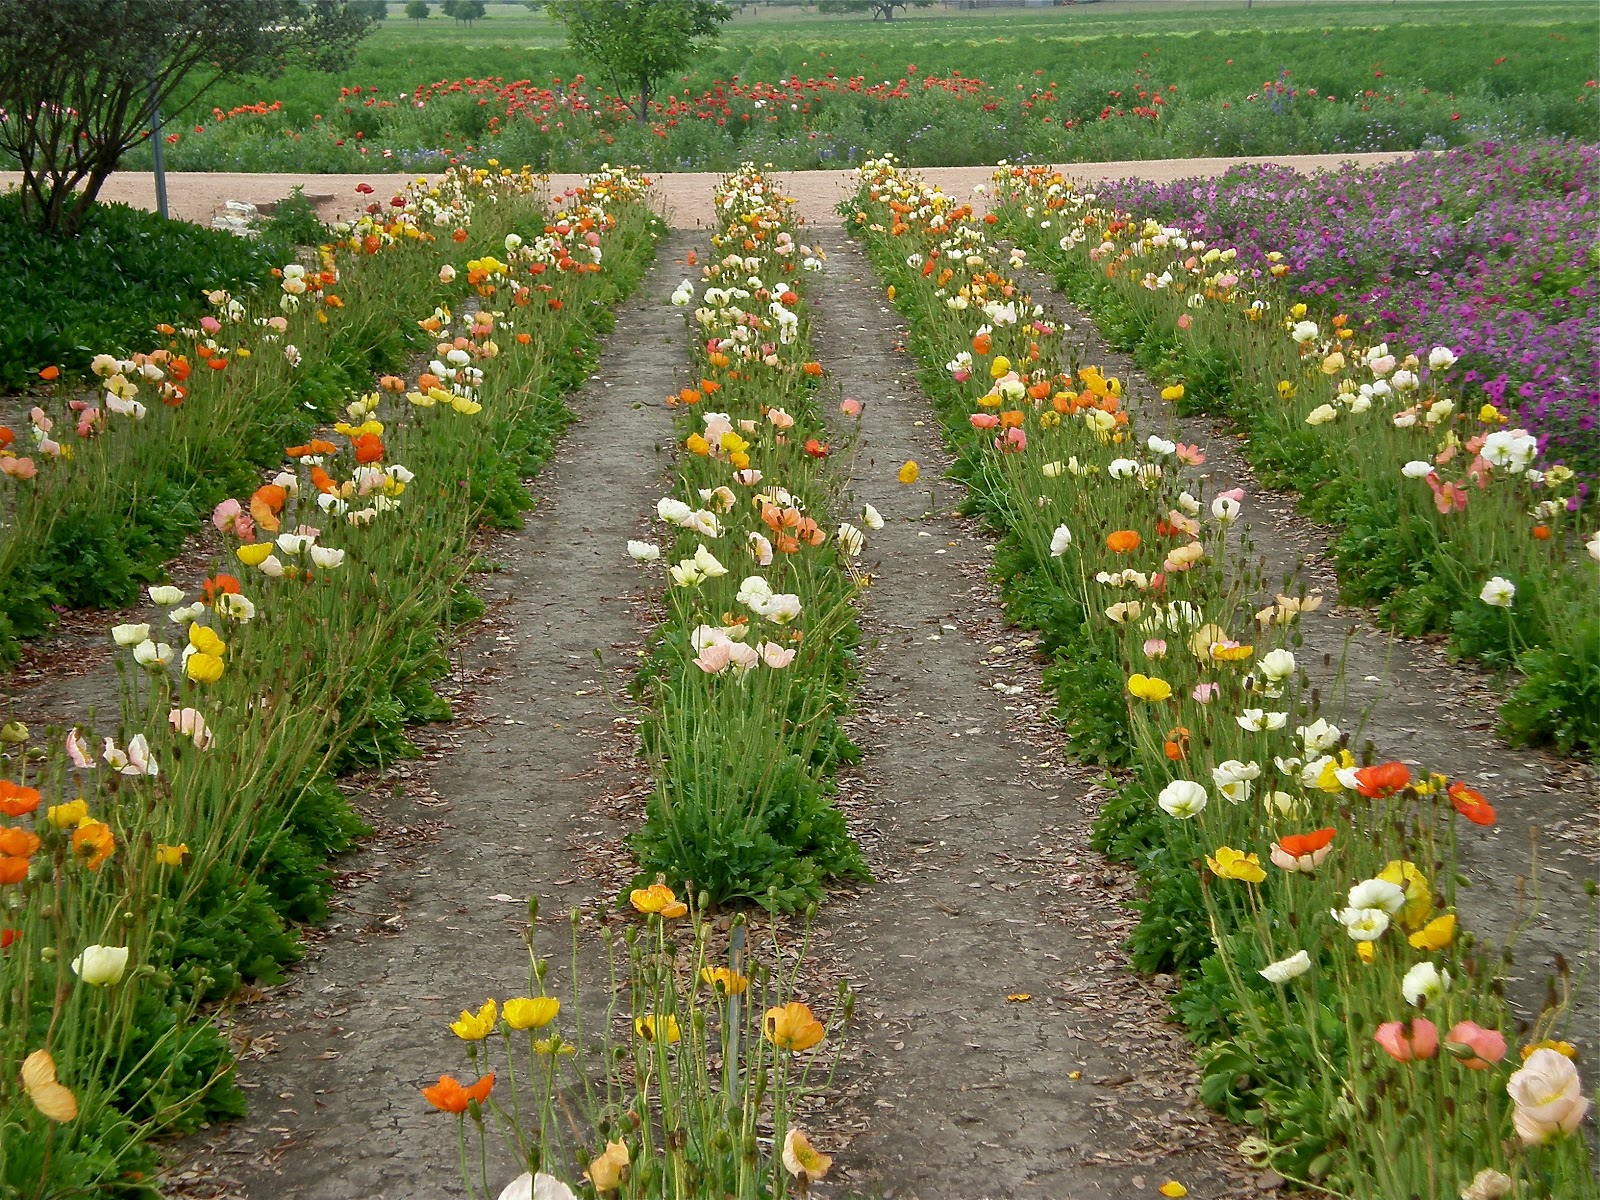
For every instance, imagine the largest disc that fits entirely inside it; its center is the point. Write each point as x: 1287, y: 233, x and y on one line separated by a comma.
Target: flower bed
x: 102, y: 486
x: 1305, y: 896
x: 751, y: 671
x: 1483, y: 249
x: 148, y: 867
x: 1450, y: 514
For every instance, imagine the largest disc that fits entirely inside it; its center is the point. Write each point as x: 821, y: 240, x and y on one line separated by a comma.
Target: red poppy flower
x: 817, y: 449
x: 1472, y: 804
x: 1385, y: 779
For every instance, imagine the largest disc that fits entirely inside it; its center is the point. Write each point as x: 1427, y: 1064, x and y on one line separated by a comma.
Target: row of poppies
x: 148, y: 873
x: 1450, y: 513
x: 702, y: 1066
x: 1304, y: 893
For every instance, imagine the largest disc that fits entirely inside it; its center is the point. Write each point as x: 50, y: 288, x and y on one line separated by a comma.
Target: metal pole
x: 158, y: 149
x: 730, y: 1056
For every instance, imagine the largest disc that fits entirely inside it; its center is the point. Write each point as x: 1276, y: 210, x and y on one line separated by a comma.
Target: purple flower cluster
x: 1489, y: 250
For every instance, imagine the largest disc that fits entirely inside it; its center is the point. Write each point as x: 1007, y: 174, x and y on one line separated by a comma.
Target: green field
x: 1058, y: 83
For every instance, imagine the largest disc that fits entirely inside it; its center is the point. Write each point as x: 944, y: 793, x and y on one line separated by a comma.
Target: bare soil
x: 1002, y: 1046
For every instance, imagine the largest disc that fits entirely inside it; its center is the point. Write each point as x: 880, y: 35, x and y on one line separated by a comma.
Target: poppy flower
x: 17, y: 843
x: 657, y: 898
x: 792, y: 1027
x: 1302, y: 851
x: 93, y: 843
x: 816, y: 449
x: 16, y: 800
x: 1471, y: 804
x: 265, y: 504
x: 1383, y: 780
x: 368, y: 448
x: 50, y: 374
x: 1123, y: 541
x: 449, y: 1096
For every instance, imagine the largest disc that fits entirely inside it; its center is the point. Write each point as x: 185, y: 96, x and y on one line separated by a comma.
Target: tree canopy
x: 79, y: 78
x: 640, y: 42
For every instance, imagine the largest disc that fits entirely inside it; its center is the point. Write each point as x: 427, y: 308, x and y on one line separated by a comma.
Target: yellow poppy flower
x: 909, y: 472
x: 657, y: 898
x: 724, y: 981
x: 605, y: 1170
x: 203, y: 668
x: 652, y: 1028
x: 1175, y: 392
x: 695, y: 444
x: 171, y: 856
x: 1149, y: 687
x: 1436, y: 934
x: 474, y: 1027
x: 1236, y: 864
x: 254, y: 555
x: 1419, y: 897
x: 531, y: 1012
x: 68, y: 815
x: 205, y: 640
x: 792, y: 1027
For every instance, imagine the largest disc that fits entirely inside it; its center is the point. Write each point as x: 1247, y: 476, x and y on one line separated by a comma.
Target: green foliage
x: 1558, y: 699
x: 640, y: 42
x: 126, y: 271
x: 68, y: 65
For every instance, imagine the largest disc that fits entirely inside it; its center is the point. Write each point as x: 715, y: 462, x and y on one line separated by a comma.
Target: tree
x: 417, y: 10
x: 79, y: 79
x: 640, y: 42
x: 878, y: 8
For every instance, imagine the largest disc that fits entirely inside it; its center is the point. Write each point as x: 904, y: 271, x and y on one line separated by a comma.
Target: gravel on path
x: 1008, y: 1050
x: 516, y: 800
x: 1531, y: 872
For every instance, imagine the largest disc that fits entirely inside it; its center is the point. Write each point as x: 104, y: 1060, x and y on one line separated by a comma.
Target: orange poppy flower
x: 1298, y: 845
x: 809, y: 531
x: 1123, y: 541
x: 314, y: 446
x: 93, y: 843
x: 16, y: 800
x: 1385, y: 779
x: 323, y: 482
x: 180, y: 369
x: 12, y: 870
x: 368, y: 447
x: 449, y: 1096
x: 816, y: 449
x: 812, y: 368
x: 7, y: 436
x: 18, y: 843
x: 217, y: 363
x: 981, y: 343
x: 50, y: 373
x: 1472, y: 804
x: 1542, y: 532
x: 266, y: 502
x: 1012, y: 418
x: 1176, y: 746
x: 217, y: 585
x: 689, y: 396
x: 524, y: 339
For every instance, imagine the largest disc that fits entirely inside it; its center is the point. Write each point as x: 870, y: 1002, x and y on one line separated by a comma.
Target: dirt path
x: 1414, y: 705
x: 516, y: 802
x: 200, y: 196
x: 1008, y: 1051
